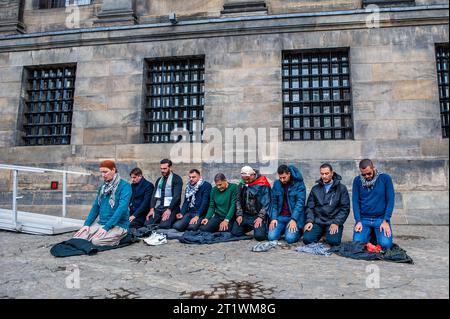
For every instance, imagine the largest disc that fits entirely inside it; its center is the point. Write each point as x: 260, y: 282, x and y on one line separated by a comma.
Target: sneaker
x: 156, y: 239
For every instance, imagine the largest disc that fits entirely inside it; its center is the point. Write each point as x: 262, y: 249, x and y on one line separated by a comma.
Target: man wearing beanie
x: 111, y: 208
x: 252, y: 204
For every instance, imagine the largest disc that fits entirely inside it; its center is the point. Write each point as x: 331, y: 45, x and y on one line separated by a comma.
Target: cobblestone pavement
x: 228, y: 270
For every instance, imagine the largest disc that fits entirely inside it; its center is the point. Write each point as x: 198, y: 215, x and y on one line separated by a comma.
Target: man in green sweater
x: 222, y: 206
x: 111, y: 206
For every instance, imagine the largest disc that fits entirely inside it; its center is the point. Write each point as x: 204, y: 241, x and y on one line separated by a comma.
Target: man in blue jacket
x: 327, y: 208
x: 373, y: 203
x: 140, y: 200
x: 111, y: 206
x: 288, y: 201
x: 196, y: 203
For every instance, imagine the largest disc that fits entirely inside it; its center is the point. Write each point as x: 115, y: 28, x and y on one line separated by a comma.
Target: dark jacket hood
x: 295, y: 173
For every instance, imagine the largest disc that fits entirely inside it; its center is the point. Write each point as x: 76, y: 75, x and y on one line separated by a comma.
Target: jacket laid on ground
x: 357, y: 250
x: 223, y: 204
x: 140, y: 199
x: 254, y: 198
x: 77, y: 246
x: 376, y: 202
x: 201, y: 238
x: 109, y: 217
x: 201, y: 201
x: 328, y: 208
x: 177, y: 188
x: 296, y: 197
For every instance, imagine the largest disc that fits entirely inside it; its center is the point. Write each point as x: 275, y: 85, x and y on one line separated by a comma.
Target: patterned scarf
x: 109, y: 188
x: 191, y: 190
x: 370, y: 184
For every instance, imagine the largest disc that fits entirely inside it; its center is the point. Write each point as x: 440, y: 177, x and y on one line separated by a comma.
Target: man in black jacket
x: 140, y: 199
x: 252, y: 204
x: 327, y: 208
x: 166, y: 197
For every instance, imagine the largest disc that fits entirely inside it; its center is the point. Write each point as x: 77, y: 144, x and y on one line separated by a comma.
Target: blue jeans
x: 374, y: 224
x: 282, y: 227
x: 316, y: 233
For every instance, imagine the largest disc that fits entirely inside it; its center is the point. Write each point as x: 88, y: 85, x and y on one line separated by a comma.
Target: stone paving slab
x: 226, y: 270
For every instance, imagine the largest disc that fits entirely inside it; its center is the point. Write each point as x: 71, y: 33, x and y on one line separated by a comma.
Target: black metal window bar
x: 175, y: 93
x: 48, y: 105
x: 442, y: 73
x: 316, y: 95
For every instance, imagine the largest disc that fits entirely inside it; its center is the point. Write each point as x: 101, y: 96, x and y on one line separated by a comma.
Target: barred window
x: 175, y: 93
x: 442, y: 73
x: 48, y: 4
x: 316, y: 95
x: 48, y: 105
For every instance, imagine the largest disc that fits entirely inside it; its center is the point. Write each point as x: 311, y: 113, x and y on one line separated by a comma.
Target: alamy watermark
x: 229, y: 145
x: 73, y: 279
x: 373, y: 279
x: 373, y: 18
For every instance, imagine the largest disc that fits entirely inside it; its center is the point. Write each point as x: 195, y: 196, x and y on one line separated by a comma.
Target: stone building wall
x: 394, y: 96
x: 152, y: 11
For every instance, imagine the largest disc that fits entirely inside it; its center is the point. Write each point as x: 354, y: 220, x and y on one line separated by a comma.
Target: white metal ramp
x: 38, y: 224
x: 32, y: 223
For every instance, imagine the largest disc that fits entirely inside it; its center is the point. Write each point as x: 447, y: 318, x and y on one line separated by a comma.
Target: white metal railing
x: 16, y: 169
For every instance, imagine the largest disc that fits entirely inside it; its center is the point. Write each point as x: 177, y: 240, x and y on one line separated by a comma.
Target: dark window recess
x: 442, y: 73
x: 49, y: 4
x: 48, y: 105
x: 175, y: 100
x: 388, y: 3
x: 316, y: 96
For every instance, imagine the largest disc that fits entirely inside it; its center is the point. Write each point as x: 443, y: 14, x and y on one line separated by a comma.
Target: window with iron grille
x: 48, y: 105
x: 175, y: 99
x: 49, y: 4
x: 442, y: 73
x: 316, y: 95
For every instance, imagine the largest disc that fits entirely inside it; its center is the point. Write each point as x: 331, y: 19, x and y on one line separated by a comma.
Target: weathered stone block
x: 98, y: 152
x: 105, y: 119
x: 93, y: 69
x: 414, y: 90
x: 126, y: 67
x: 124, y: 100
x: 406, y: 148
x: 5, y: 180
x: 90, y: 103
x: 405, y: 72
x: 11, y: 74
x: 420, y: 128
x: 361, y: 72
x: 280, y: 6
x: 6, y: 139
x: 373, y: 91
x: 105, y: 136
x: 92, y: 86
x: 376, y: 130
x: 433, y: 147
